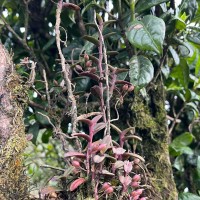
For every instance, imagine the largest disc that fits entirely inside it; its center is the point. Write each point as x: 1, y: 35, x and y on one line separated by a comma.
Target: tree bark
x: 13, y: 181
x: 149, y: 118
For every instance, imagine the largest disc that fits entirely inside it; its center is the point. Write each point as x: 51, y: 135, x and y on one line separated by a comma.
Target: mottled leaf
x: 141, y: 71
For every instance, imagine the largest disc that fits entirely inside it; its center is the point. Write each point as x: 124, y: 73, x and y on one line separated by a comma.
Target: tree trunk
x: 13, y: 181
x: 149, y: 118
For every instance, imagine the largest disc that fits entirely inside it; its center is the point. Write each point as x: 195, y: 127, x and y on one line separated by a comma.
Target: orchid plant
x: 105, y: 164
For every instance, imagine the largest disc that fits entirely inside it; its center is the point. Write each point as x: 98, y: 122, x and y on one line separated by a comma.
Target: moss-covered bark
x: 149, y: 118
x: 13, y: 181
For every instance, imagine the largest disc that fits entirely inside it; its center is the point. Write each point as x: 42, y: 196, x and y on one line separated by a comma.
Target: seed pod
x: 131, y: 88
x: 136, y: 161
x: 75, y: 163
x: 88, y: 63
x: 136, y: 197
x: 105, y: 186
x: 125, y: 87
x: 86, y: 57
x: 109, y: 190
x: 135, y: 184
x: 136, y: 178
x: 139, y: 191
x: 78, y: 68
x: 134, y: 193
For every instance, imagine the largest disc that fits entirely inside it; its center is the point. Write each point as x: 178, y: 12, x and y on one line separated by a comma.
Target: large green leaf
x: 144, y: 4
x: 147, y: 34
x: 141, y: 71
x: 188, y: 196
x: 184, y: 140
x: 180, y: 144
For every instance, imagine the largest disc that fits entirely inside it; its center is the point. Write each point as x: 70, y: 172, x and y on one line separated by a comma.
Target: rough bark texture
x: 13, y: 181
x: 149, y: 118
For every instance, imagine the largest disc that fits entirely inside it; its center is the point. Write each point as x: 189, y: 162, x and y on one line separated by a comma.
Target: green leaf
x: 40, y: 118
x: 46, y: 135
x: 179, y: 163
x: 174, y: 55
x: 34, y: 130
x: 180, y: 24
x: 147, y: 34
x: 88, y: 6
x: 88, y: 47
x: 188, y: 196
x: 184, y: 139
x: 194, y: 61
x: 181, y: 73
x: 91, y: 39
x: 180, y: 144
x: 141, y: 71
x: 144, y: 4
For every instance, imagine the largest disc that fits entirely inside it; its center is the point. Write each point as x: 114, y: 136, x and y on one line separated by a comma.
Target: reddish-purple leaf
x: 90, y: 75
x: 125, y: 180
x: 106, y: 140
x: 47, y: 190
x: 96, y: 119
x: 118, y: 151
x: 98, y: 159
x: 76, y: 154
x: 128, y: 166
x: 99, y: 126
x: 102, y: 147
x: 124, y: 132
x: 76, y: 183
x: 87, y: 121
x: 83, y: 135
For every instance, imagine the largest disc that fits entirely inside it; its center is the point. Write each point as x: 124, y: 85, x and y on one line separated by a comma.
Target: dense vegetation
x: 113, y: 89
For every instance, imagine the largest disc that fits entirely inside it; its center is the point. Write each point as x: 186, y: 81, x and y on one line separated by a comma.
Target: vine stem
x: 65, y: 68
x: 102, y: 46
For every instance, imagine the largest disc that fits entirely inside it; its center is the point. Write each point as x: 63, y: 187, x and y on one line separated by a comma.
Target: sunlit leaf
x: 141, y: 71
x: 147, y: 34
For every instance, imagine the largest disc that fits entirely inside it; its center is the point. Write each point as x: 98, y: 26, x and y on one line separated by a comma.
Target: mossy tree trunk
x: 13, y: 181
x: 149, y: 118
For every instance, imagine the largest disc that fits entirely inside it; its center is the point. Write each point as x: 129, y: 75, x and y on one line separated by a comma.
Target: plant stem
x: 65, y: 68
x: 132, y: 8
x: 100, y: 48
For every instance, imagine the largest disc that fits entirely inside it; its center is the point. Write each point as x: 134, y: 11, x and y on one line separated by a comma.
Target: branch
x: 175, y: 120
x: 65, y: 68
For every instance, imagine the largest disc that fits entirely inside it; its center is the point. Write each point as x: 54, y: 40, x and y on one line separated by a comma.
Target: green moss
x: 142, y: 117
x: 149, y: 120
